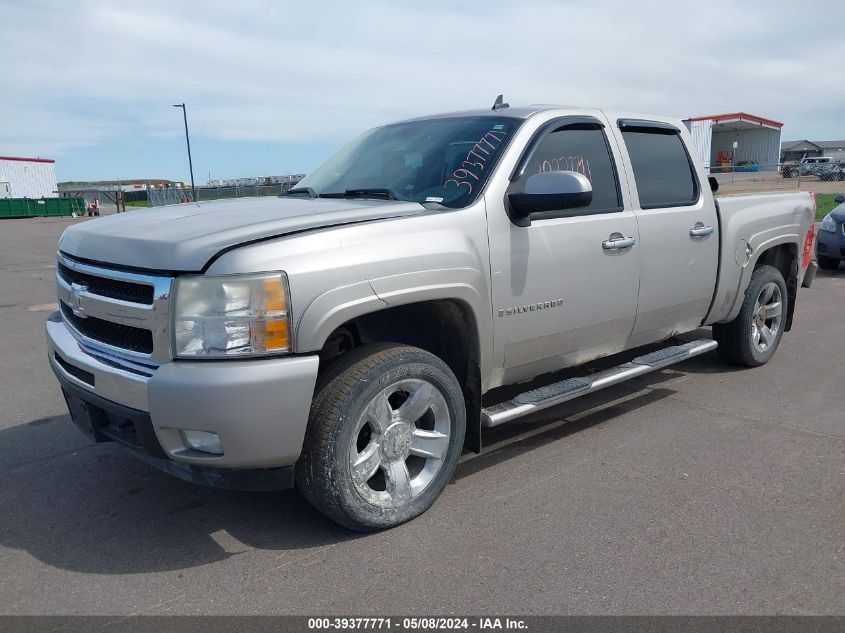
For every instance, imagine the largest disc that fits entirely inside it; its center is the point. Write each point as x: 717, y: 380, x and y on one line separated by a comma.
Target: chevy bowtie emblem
x: 76, y: 291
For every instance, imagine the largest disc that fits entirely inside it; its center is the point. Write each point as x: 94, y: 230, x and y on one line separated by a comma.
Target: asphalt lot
x: 696, y: 490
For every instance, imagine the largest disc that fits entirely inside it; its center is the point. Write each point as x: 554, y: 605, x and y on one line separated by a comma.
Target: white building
x: 28, y: 177
x: 725, y: 141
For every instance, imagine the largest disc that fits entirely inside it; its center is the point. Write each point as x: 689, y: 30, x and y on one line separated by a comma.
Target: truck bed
x: 749, y: 224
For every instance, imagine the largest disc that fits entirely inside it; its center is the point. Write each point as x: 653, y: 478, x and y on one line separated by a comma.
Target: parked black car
x: 830, y: 241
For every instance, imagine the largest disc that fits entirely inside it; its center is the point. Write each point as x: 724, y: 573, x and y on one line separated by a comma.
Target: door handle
x: 618, y: 243
x: 699, y: 230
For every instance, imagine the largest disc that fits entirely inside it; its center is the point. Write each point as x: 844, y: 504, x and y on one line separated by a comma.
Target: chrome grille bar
x: 85, y: 300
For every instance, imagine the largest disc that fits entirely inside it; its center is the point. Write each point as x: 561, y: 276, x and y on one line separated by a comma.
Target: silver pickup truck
x: 349, y: 336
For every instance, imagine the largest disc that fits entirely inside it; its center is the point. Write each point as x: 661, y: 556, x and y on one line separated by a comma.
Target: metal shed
x: 29, y: 177
x: 736, y: 139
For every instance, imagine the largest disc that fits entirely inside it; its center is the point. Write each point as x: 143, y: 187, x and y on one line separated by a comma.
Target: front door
x: 565, y: 287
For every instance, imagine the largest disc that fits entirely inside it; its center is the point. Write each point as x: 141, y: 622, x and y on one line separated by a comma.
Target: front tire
x: 827, y: 263
x: 752, y: 338
x: 384, y: 437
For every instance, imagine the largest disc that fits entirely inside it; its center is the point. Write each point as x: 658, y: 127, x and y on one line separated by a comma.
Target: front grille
x: 116, y: 334
x: 126, y: 311
x: 105, y: 287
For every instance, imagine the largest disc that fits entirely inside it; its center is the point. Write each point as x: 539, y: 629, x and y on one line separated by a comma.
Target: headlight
x: 232, y: 315
x: 828, y: 224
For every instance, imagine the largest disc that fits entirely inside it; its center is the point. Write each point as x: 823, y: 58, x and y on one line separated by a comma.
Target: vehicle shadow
x: 94, y: 508
x: 512, y: 440
x: 515, y: 439
x: 97, y: 509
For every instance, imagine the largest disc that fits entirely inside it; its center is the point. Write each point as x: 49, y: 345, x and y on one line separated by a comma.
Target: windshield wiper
x: 290, y: 192
x: 385, y: 193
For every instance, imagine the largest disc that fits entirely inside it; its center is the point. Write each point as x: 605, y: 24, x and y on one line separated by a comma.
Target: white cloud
x: 322, y: 71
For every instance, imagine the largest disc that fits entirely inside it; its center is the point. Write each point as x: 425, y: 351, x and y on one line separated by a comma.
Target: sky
x: 276, y: 87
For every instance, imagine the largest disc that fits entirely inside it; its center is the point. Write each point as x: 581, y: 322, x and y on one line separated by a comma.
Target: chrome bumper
x: 259, y: 408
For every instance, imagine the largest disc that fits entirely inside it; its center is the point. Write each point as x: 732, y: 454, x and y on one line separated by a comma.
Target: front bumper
x: 259, y: 408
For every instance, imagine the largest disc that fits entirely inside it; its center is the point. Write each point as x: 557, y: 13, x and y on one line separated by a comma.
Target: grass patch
x: 137, y: 203
x: 825, y: 203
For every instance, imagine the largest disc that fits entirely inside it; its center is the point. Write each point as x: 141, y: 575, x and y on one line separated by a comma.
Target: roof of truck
x: 524, y: 112
x: 519, y: 112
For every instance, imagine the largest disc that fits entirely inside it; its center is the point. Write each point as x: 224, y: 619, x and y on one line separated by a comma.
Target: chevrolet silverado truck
x: 350, y: 336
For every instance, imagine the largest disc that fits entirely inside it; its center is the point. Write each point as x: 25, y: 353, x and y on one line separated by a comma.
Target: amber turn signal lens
x: 274, y: 295
x: 276, y: 334
x: 270, y: 335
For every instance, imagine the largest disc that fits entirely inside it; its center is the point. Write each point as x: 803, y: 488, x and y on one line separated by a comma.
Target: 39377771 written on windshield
x: 475, y: 161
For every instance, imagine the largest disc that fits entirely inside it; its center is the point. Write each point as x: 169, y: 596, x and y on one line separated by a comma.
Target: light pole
x: 188, y: 140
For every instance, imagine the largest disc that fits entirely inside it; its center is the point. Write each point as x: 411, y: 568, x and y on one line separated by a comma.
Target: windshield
x: 446, y: 161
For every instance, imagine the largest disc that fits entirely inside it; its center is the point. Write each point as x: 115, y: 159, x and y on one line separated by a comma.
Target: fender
x: 332, y: 309
x: 463, y: 284
x: 759, y: 243
x: 341, y: 304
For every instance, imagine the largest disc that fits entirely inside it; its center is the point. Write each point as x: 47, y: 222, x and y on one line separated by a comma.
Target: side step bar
x: 559, y: 392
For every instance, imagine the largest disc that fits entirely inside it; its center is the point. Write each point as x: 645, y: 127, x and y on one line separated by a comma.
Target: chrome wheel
x: 399, y: 443
x: 766, y: 318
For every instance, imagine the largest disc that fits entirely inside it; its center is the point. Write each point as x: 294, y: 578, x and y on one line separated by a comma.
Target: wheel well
x: 445, y: 328
x: 784, y: 257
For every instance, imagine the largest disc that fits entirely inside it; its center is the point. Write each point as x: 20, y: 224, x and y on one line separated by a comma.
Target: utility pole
x: 188, y: 141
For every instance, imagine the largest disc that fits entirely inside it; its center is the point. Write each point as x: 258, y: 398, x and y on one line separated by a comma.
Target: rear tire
x: 384, y: 437
x: 752, y: 338
x: 827, y: 263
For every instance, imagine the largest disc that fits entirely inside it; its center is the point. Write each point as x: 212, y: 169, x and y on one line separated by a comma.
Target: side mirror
x: 549, y: 191
x: 839, y: 199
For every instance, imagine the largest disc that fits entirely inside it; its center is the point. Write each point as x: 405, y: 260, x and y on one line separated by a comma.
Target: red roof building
x: 736, y: 139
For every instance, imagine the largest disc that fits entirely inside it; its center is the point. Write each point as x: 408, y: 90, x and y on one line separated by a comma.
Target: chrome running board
x: 559, y: 392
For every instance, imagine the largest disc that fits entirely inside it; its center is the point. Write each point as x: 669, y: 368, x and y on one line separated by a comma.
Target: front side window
x: 445, y: 160
x: 662, y: 169
x: 582, y: 148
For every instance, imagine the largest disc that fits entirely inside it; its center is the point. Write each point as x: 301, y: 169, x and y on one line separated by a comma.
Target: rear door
x: 679, y: 231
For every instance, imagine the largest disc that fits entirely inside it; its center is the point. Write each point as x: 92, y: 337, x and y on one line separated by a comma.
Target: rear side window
x: 582, y: 148
x: 662, y: 169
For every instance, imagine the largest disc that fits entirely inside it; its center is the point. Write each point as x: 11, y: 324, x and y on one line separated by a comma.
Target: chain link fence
x: 790, y: 174
x: 826, y: 181
x: 161, y: 197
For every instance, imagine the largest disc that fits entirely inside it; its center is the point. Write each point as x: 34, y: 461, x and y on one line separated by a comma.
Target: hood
x: 185, y: 237
x: 838, y: 214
